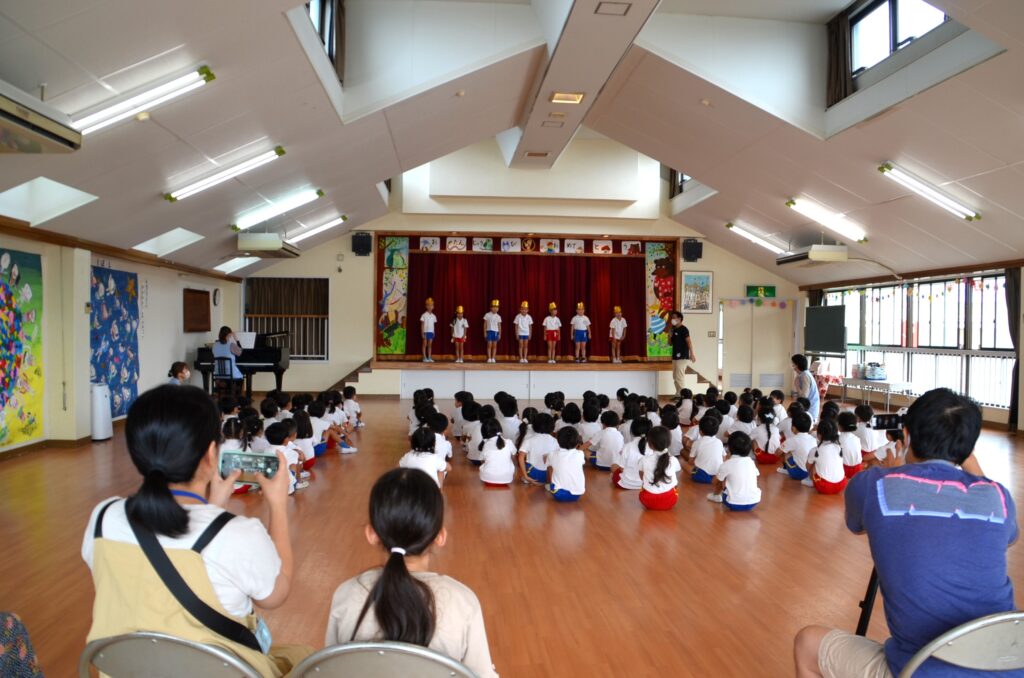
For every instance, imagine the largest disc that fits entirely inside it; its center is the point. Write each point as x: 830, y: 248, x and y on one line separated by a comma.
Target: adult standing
x: 805, y: 385
x: 682, y: 350
x: 227, y: 346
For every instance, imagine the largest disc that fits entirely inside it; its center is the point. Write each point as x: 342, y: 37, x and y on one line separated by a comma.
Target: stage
x: 529, y: 381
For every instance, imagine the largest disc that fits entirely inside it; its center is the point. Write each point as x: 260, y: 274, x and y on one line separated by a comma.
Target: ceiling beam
x: 912, y: 275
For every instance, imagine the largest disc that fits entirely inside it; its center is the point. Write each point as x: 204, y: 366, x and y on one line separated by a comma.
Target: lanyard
x: 190, y: 495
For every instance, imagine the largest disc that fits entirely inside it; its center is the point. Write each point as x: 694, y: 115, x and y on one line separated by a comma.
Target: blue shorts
x: 428, y: 336
x: 795, y: 472
x: 524, y: 337
x: 701, y: 476
x: 736, y: 507
x: 476, y: 462
x: 492, y: 335
x: 320, y: 449
x: 562, y: 495
x: 538, y: 474
x: 579, y: 336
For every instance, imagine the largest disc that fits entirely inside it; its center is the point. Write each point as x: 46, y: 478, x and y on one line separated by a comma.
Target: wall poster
x: 21, y: 347
x: 114, y: 335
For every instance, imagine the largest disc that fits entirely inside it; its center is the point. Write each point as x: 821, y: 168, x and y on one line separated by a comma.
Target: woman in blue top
x: 227, y: 346
x: 805, y: 385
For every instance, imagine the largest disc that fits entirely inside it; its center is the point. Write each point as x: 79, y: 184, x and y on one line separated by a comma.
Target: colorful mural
x: 661, y: 297
x: 21, y: 347
x: 114, y: 336
x: 392, y: 306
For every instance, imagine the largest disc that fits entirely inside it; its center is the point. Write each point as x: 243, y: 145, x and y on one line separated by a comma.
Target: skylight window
x: 236, y: 264
x: 162, y: 245
x: 887, y: 26
x: 41, y: 199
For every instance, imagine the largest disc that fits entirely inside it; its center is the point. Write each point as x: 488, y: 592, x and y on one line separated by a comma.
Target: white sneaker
x: 551, y: 362
x: 782, y: 471
x: 807, y: 482
x: 717, y: 498
x: 304, y: 475
x: 523, y: 360
x: 302, y: 484
x: 426, y: 360
x: 347, y: 450
x: 459, y: 360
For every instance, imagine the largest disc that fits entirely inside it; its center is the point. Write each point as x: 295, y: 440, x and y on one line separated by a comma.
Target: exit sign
x: 762, y: 291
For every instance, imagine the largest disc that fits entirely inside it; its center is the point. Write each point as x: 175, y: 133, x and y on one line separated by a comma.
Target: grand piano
x: 263, y: 357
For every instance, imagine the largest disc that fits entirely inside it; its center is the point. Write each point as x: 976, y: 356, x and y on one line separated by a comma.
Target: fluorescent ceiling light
x: 318, y: 230
x: 831, y: 220
x: 223, y: 175
x: 566, y: 97
x: 756, y: 239
x: 927, y: 191
x: 238, y: 263
x: 162, y: 245
x: 41, y: 199
x: 145, y: 101
x: 261, y: 214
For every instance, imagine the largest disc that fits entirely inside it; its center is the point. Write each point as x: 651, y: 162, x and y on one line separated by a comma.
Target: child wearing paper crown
x: 459, y: 327
x: 524, y: 329
x: 580, y: 332
x: 552, y: 330
x: 617, y: 334
x: 428, y: 321
x: 492, y: 331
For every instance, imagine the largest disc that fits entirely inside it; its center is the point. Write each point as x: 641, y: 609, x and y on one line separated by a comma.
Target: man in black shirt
x: 682, y: 349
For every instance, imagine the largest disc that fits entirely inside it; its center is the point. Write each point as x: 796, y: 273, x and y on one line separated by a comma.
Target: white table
x: 887, y: 387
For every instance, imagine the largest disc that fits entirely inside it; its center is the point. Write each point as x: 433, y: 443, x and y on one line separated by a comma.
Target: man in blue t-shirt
x: 938, y: 536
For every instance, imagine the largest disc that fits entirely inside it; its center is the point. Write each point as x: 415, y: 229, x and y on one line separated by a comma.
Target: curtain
x: 815, y: 297
x: 287, y: 296
x: 1012, y: 290
x: 840, y: 61
x: 473, y: 280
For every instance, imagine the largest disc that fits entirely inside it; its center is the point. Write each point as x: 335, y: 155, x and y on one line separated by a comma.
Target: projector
x: 814, y: 253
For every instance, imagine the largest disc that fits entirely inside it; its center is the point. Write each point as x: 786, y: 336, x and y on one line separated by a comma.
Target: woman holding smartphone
x: 177, y: 515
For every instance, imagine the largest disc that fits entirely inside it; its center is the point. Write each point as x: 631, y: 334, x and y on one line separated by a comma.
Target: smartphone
x: 250, y: 464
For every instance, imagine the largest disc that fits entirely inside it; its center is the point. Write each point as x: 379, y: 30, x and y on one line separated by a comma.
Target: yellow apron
x: 131, y: 597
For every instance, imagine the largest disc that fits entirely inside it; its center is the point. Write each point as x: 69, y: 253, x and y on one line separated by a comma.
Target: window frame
x: 860, y: 13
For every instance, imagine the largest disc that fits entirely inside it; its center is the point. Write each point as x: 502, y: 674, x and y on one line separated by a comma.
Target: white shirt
x: 492, y: 321
x: 828, y: 462
x: 337, y: 417
x: 707, y: 454
x: 617, y: 406
x: 850, y: 445
x: 630, y: 460
x: 779, y: 411
x: 589, y: 430
x: 745, y: 427
x: 740, y: 477
x: 430, y: 463
x: 352, y: 409
x: 685, y: 411
x: 429, y: 320
x: 870, y: 439
x: 552, y: 322
x: 648, y: 465
x: 319, y: 425
x: 617, y: 326
x: 498, y: 467
x: 723, y: 428
x: 457, y: 422
x: 786, y: 427
x: 675, y: 443
x: 241, y: 561
x: 459, y: 327
x: 567, y: 470
x: 523, y: 324
x: 259, y: 444
x: 471, y: 430
x: 580, y: 322
x: 700, y: 411
x: 305, y: 446
x: 766, y: 440
x: 800, y: 446
x: 607, y: 445
x: 734, y: 411
x: 442, y: 446
x: 510, y: 426
x: 538, y: 449
x: 625, y: 429
x: 654, y: 418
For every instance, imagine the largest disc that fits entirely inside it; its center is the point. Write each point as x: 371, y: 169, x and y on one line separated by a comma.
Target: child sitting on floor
x: 566, y: 481
x: 849, y: 443
x: 744, y: 422
x: 590, y: 427
x: 424, y: 456
x: 571, y: 416
x: 736, y: 481
x: 496, y: 466
x: 778, y: 397
x: 471, y: 428
x: 438, y: 423
x: 727, y: 421
x: 351, y: 406
x: 670, y: 420
x: 509, y: 420
x: 659, y: 472
x: 825, y: 463
x: 708, y: 453
x: 626, y: 467
x: 651, y: 410
x: 869, y: 438
x: 461, y: 398
x: 798, y: 447
x: 766, y: 437
x: 684, y: 405
x: 608, y: 443
x: 534, y: 450
x: 631, y: 412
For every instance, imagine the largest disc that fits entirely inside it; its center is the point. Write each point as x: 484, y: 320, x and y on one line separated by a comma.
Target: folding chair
x: 992, y: 643
x: 380, y: 660
x: 156, y: 655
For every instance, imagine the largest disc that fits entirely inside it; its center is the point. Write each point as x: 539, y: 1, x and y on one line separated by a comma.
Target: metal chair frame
x: 314, y: 665
x: 94, y: 651
x: 1002, y: 632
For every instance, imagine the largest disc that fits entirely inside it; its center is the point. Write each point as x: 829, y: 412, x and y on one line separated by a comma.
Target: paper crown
x: 552, y: 306
x: 580, y: 305
x: 458, y: 309
x: 429, y: 300
x: 616, y: 309
x: 525, y: 304
x: 494, y: 302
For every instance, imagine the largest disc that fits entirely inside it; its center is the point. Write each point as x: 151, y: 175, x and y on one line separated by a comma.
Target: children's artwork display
x: 394, y: 299
x: 430, y: 244
x: 603, y: 247
x: 114, y: 335
x: 21, y: 347
x: 697, y: 291
x: 575, y: 247
x: 455, y: 244
x: 511, y: 245
x: 632, y: 248
x: 550, y: 245
x: 661, y: 297
x: 483, y: 244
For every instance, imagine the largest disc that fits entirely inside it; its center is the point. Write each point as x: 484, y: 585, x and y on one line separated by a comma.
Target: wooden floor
x: 599, y: 588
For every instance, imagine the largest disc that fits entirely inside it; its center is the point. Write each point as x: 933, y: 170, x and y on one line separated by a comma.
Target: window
x: 676, y: 182
x: 989, y: 321
x: 296, y: 306
x: 938, y: 311
x: 885, y: 313
x: 328, y: 17
x: 886, y: 26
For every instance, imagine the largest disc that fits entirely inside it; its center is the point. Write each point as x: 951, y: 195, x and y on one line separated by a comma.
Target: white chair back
x: 992, y: 643
x: 156, y: 655
x: 380, y: 660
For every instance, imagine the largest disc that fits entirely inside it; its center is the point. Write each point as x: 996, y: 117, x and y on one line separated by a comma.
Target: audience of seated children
x: 423, y: 455
x: 566, y: 481
x: 631, y: 411
x: 602, y: 450
x: 571, y: 416
x: 659, y: 473
x: 735, y: 483
x: 670, y: 420
x: 461, y: 398
x: 700, y: 406
x: 894, y: 452
x: 727, y: 421
x: 684, y: 405
x: 534, y: 450
x: 798, y: 447
x: 284, y: 403
x: 786, y: 424
x: 707, y: 453
x: 235, y: 437
x: 323, y: 430
x: 733, y: 400
x: 651, y: 410
x: 353, y: 410
x: 229, y: 407
x: 825, y: 462
x: 744, y: 421
x: 510, y: 421
x: 869, y: 438
x: 626, y: 467
x: 829, y: 410
x: 336, y: 415
x: 590, y: 427
x: 278, y: 437
x: 849, y: 443
x: 766, y: 438
x: 496, y: 466
x: 304, y: 439
x: 438, y: 423
x: 471, y: 430
x: 268, y: 410
x: 404, y: 601
x: 617, y: 405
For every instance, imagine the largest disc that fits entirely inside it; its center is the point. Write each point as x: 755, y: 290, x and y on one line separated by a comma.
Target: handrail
x: 934, y: 351
x: 285, y: 315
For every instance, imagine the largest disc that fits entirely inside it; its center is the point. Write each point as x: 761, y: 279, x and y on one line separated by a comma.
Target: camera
x: 251, y: 465
x: 890, y: 422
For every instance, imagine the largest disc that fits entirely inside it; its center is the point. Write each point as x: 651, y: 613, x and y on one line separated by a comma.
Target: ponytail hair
x: 234, y: 428
x: 521, y: 436
x: 491, y: 429
x: 168, y: 431
x: 660, y: 438
x: 639, y: 430
x: 407, y: 514
x: 176, y: 369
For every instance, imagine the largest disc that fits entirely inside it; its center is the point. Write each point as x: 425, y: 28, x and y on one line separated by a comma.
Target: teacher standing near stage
x: 682, y: 349
x: 805, y: 385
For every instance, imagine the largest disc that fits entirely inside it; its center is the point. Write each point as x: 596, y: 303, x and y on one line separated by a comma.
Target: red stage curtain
x: 472, y: 280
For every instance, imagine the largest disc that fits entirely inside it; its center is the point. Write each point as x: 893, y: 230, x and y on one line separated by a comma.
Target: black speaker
x: 693, y: 249
x: 362, y: 244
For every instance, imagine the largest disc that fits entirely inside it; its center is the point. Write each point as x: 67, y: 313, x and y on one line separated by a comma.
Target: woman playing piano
x: 227, y: 346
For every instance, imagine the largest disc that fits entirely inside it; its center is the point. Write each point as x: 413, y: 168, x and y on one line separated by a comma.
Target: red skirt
x: 501, y: 485
x: 308, y: 464
x: 616, y: 474
x: 825, y: 487
x: 551, y: 335
x: 766, y: 458
x: 659, y: 502
x: 851, y: 471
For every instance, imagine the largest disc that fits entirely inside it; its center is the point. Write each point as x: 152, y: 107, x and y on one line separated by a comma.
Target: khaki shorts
x: 844, y: 655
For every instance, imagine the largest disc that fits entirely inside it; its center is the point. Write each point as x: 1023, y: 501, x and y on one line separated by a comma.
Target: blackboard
x: 825, y: 329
